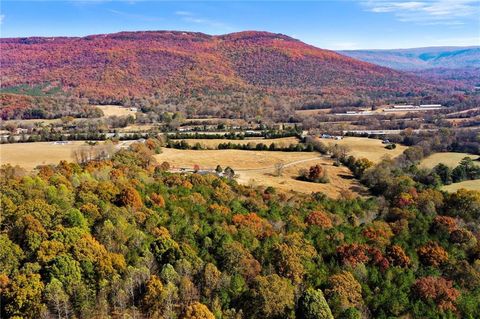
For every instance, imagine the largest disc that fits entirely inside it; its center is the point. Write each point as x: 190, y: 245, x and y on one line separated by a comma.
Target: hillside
x: 174, y: 66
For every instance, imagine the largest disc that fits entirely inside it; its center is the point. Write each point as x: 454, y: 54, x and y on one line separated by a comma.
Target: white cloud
x: 134, y: 16
x: 448, y: 12
x: 191, y: 17
x: 183, y: 13
x: 2, y: 17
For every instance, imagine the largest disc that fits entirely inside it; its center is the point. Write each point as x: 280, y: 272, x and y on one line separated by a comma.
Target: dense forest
x: 120, y: 237
x: 27, y: 106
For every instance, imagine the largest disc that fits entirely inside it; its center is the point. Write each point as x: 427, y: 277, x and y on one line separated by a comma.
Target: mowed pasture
x: 32, y: 122
x: 362, y: 147
x: 29, y: 155
x: 312, y: 112
x: 258, y: 168
x: 473, y: 185
x: 115, y: 110
x: 450, y: 159
x: 213, y: 143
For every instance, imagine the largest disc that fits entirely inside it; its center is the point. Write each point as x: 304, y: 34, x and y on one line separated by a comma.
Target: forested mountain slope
x: 177, y: 65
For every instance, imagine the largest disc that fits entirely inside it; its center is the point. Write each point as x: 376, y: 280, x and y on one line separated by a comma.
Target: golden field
x: 213, y: 143
x: 29, y: 155
x: 115, y: 110
x: 450, y: 159
x: 258, y: 167
x: 473, y: 185
x: 360, y: 147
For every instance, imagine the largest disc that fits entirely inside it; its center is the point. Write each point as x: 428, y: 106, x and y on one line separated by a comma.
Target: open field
x: 257, y: 168
x: 115, y: 110
x: 137, y: 128
x: 450, y: 159
x: 312, y: 112
x: 473, y: 185
x: 29, y: 155
x: 213, y: 143
x: 216, y: 120
x: 32, y: 122
x: 373, y: 149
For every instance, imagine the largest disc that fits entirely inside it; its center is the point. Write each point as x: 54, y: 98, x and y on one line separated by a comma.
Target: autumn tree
x: 320, y: 219
x: 273, y: 296
x: 345, y: 289
x: 397, y: 256
x: 24, y: 296
x: 197, y: 311
x: 438, y: 290
x: 432, y: 254
x: 131, y: 198
x: 154, y: 296
x: 292, y: 257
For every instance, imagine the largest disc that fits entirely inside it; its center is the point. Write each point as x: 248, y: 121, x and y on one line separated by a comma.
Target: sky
x: 336, y: 25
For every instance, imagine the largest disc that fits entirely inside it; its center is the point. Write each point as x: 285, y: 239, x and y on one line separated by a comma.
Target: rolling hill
x: 187, y: 66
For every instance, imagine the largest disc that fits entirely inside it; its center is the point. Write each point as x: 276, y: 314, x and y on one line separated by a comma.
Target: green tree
x: 312, y: 305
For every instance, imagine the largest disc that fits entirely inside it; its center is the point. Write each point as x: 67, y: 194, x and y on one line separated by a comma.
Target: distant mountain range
x: 196, y: 66
x: 421, y: 58
x: 460, y: 66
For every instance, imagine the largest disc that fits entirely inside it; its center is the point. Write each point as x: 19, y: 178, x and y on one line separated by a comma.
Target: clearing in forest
x: 116, y: 110
x: 258, y: 168
x: 450, y: 159
x: 362, y: 147
x: 473, y: 185
x: 29, y: 155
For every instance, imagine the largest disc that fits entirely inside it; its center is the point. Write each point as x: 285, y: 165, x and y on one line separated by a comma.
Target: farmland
x: 360, y: 147
x: 448, y: 158
x: 115, y: 110
x: 29, y: 155
x: 473, y: 185
x: 257, y: 168
x: 213, y: 143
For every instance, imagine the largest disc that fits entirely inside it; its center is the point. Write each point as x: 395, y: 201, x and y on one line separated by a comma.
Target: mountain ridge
x: 182, y: 65
x: 452, y: 57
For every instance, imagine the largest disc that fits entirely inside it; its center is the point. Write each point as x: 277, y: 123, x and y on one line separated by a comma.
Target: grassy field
x: 115, y: 110
x: 29, y: 155
x: 257, y: 168
x: 32, y: 121
x: 448, y: 158
x: 137, y: 128
x: 473, y: 185
x: 213, y: 143
x: 312, y: 112
x: 373, y: 149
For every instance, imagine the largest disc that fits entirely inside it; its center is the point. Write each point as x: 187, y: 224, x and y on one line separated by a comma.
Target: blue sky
x: 343, y: 24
